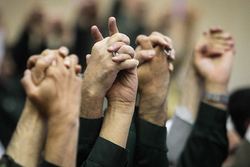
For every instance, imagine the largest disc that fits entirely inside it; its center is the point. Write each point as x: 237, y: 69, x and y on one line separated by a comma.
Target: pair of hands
x: 52, y: 84
x: 116, y: 77
x: 105, y: 75
x: 53, y: 97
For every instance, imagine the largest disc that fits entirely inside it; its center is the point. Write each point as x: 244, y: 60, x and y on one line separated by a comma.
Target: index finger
x: 112, y: 26
x: 96, y: 34
x: 32, y: 61
x: 161, y: 40
x: 144, y: 42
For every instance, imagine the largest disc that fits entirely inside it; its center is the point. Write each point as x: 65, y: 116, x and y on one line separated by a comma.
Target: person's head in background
x: 239, y: 109
x: 35, y: 19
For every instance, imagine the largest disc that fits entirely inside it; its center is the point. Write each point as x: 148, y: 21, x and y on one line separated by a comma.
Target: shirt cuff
x: 89, y: 130
x: 151, y: 135
x: 7, y: 161
x: 47, y: 164
x: 183, y: 113
x: 247, y: 134
x: 107, y: 153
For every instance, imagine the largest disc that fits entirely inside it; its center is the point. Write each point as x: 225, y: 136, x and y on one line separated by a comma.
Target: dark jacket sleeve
x: 7, y: 161
x: 47, y: 164
x: 106, y: 154
x: 151, y: 148
x: 207, y: 144
x: 88, y: 133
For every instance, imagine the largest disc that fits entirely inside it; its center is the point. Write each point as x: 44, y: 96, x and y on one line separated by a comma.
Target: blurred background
x: 29, y: 26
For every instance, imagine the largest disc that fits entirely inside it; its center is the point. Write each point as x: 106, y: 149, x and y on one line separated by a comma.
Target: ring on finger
x: 168, y: 52
x: 115, y: 54
x: 80, y: 75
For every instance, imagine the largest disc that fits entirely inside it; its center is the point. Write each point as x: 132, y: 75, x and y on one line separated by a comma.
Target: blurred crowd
x: 41, y: 31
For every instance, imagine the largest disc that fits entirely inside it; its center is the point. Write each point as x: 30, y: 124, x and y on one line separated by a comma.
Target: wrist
x: 91, y: 103
x: 121, y: 108
x: 215, y: 97
x: 153, y: 100
x: 92, y: 86
x: 155, y: 114
x: 157, y: 117
x: 117, y: 120
x: 216, y: 87
x: 63, y: 119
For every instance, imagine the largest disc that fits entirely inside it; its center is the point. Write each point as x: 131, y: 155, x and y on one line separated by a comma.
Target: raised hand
x: 61, y: 83
x: 213, y: 56
x: 103, y: 68
x: 154, y: 76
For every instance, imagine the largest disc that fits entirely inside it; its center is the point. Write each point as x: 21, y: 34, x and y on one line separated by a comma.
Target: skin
x: 102, y: 69
x: 154, y: 76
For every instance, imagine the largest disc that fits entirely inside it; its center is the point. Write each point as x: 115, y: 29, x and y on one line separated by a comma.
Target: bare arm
x: 26, y: 143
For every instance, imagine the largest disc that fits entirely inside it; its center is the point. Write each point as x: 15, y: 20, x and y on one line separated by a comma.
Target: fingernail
x: 64, y: 51
x: 110, y: 48
x: 138, y: 62
x: 27, y: 72
x: 54, y: 63
x: 151, y: 53
x: 173, y: 57
x: 66, y: 61
x: 48, y: 57
x: 171, y: 67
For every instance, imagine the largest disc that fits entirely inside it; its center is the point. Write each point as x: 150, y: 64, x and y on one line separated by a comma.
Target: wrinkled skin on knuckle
x: 122, y: 38
x: 144, y: 39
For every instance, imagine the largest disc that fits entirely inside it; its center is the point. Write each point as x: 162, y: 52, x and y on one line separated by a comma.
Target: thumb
x: 38, y: 72
x: 28, y: 84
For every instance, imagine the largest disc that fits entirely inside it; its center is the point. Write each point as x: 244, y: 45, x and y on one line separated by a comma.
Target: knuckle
x: 40, y: 63
x: 156, y: 33
x: 124, y: 38
x: 46, y: 51
x: 145, y: 39
x: 74, y: 58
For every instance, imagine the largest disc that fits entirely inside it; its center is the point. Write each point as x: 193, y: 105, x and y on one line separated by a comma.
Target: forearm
x: 92, y: 101
x: 61, y: 141
x: 26, y: 143
x: 116, y: 123
x: 153, y: 108
x: 191, y: 92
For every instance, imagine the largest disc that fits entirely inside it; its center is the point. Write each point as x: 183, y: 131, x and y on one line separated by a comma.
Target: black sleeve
x: 207, y: 144
x: 106, y: 154
x: 88, y: 133
x: 47, y: 164
x: 7, y: 161
x: 151, y: 148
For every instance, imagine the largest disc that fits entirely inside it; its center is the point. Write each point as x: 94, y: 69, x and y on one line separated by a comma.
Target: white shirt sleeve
x: 247, y: 134
x: 1, y: 149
